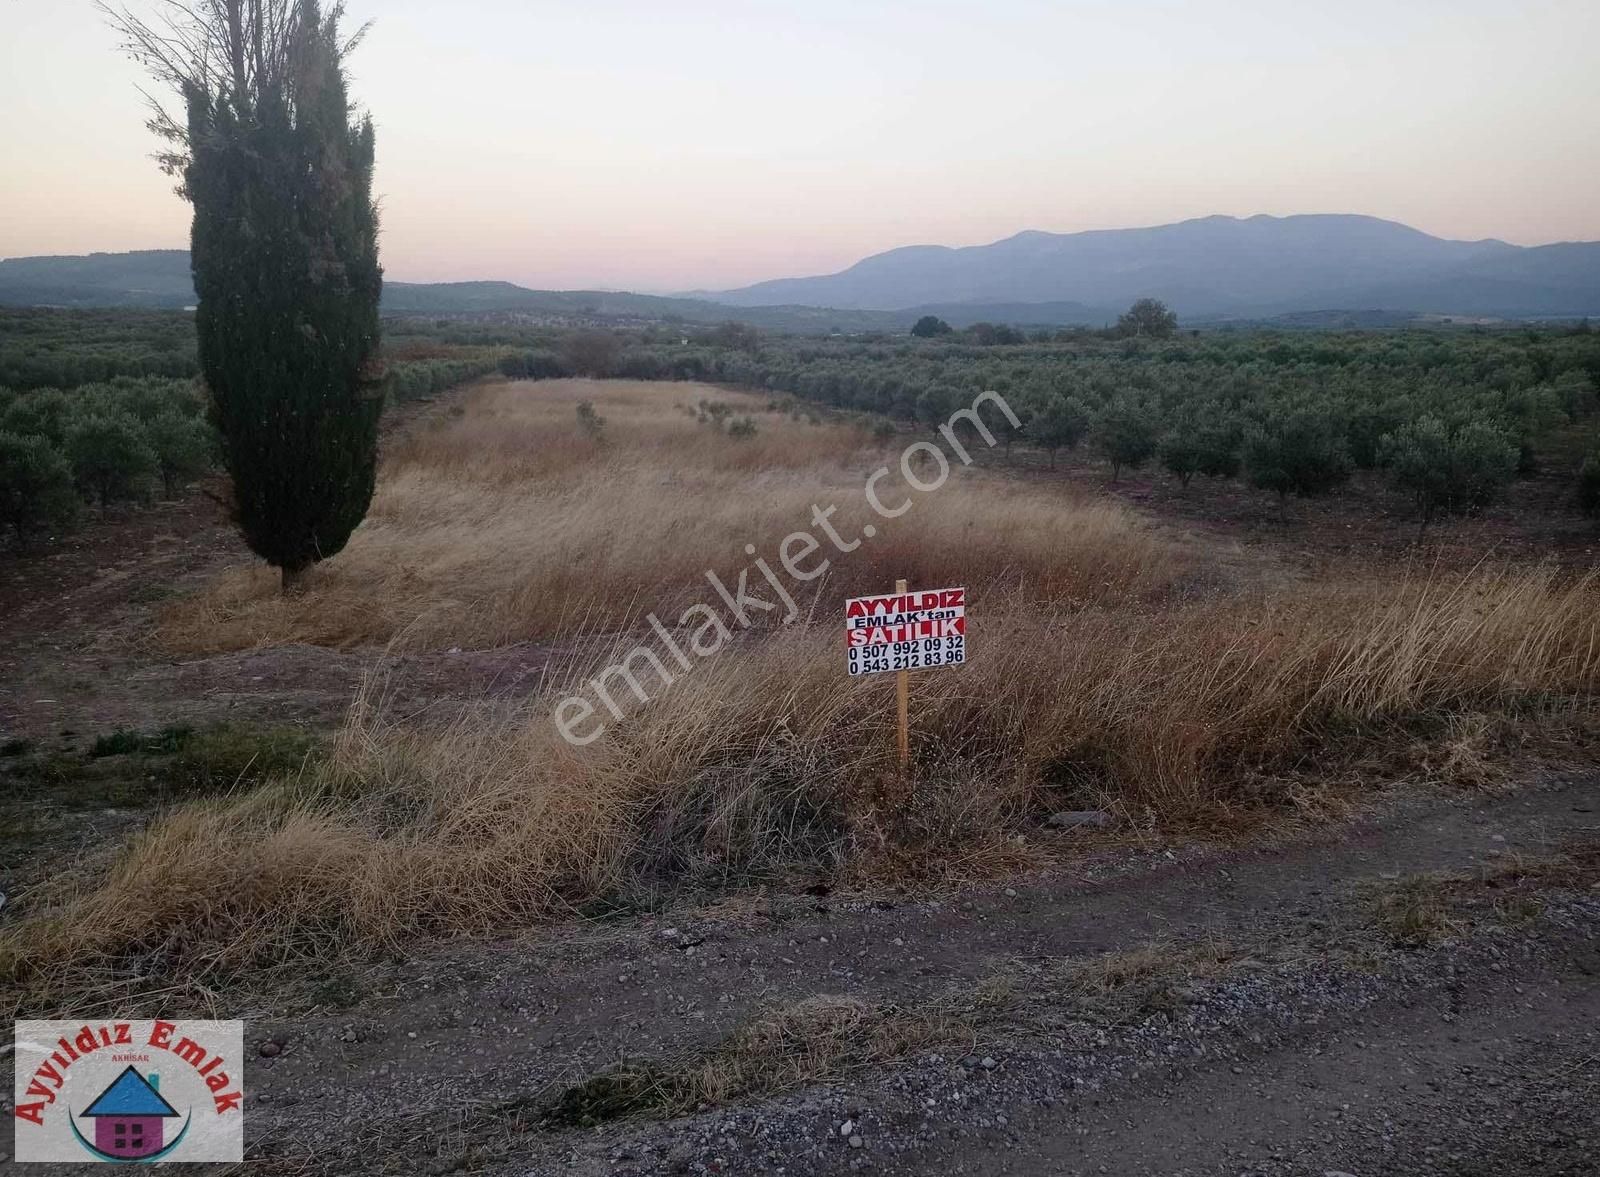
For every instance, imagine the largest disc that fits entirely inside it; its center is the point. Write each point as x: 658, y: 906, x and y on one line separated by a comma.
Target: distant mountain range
x: 160, y: 278
x: 1217, y: 267
x: 1301, y: 270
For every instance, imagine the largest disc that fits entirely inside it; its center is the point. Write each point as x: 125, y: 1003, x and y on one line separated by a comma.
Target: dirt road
x: 1316, y: 1046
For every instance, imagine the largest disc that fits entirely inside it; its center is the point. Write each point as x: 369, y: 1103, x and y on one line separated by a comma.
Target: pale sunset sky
x: 696, y: 144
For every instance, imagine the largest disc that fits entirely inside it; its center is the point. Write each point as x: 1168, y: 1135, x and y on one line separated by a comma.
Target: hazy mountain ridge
x: 1210, y: 269
x: 160, y: 278
x: 1219, y: 266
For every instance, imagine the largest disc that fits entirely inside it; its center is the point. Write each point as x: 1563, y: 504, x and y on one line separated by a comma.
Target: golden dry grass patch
x: 509, y: 523
x: 768, y: 758
x: 1091, y: 683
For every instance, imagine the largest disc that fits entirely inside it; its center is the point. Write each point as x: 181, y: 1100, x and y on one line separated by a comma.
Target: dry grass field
x: 1112, y: 666
x: 508, y: 522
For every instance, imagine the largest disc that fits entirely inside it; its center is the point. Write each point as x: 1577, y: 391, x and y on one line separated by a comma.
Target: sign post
x: 903, y: 632
x: 902, y: 694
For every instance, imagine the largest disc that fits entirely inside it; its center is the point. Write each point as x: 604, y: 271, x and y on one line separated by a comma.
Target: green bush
x: 1299, y: 452
x: 185, y: 448
x: 1368, y: 425
x: 110, y: 458
x: 36, y: 493
x: 1180, y: 454
x: 1218, y: 446
x: 1450, y: 470
x: 1060, y: 424
x: 1125, y: 435
x: 591, y: 422
x: 226, y: 755
x: 144, y: 400
x: 1576, y: 392
x: 45, y: 413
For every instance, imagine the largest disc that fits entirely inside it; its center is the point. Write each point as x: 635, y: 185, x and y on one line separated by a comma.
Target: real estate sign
x: 906, y: 631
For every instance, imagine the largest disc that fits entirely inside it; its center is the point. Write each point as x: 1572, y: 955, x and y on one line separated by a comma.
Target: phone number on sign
x: 912, y: 655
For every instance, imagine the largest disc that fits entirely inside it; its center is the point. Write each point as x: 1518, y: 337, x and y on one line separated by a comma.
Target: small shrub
x: 590, y: 422
x: 1299, y: 453
x: 715, y: 412
x: 36, y: 494
x: 215, y: 759
x: 184, y: 447
x: 119, y: 743
x: 45, y: 413
x: 110, y: 458
x: 198, y: 762
x: 1061, y: 424
x: 1450, y: 470
x: 1180, y: 455
x: 1218, y: 451
x: 1125, y: 436
x: 742, y: 428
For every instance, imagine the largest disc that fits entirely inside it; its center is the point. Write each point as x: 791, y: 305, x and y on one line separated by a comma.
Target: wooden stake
x: 902, y: 690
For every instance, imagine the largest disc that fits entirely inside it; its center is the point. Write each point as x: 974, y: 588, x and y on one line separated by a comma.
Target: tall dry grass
x: 507, y: 523
x: 768, y: 756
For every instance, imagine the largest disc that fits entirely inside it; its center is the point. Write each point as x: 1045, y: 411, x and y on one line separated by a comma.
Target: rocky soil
x: 1286, y: 1025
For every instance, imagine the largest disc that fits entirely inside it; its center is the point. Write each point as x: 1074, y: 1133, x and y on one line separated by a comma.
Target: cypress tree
x: 285, y: 256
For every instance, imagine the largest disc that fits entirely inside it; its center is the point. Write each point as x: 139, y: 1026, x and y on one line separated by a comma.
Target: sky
x: 705, y: 144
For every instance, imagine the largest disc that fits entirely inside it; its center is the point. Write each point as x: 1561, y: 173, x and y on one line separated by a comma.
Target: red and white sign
x: 906, y: 631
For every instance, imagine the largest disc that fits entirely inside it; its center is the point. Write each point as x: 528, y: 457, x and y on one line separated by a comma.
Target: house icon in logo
x: 128, y: 1117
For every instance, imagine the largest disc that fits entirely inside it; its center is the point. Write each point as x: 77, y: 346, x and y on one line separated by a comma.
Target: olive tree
x: 110, y: 457
x: 45, y: 413
x: 1060, y: 424
x: 183, y: 448
x: 1217, y: 449
x: 36, y: 493
x: 1461, y: 469
x: 1296, y: 452
x: 1126, y: 435
x: 1180, y: 453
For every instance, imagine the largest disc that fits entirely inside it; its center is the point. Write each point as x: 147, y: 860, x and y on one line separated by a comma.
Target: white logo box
x: 122, y: 1092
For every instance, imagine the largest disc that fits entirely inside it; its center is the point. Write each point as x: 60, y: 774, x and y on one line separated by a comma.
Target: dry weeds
x: 1424, y: 910
x: 766, y: 758
x: 509, y: 523
x: 784, y: 1047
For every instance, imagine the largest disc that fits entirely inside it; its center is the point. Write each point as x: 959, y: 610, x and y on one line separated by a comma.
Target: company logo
x: 124, y: 1092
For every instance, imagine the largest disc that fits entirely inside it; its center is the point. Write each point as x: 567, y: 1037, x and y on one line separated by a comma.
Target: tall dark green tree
x: 285, y: 257
x: 1148, y: 316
